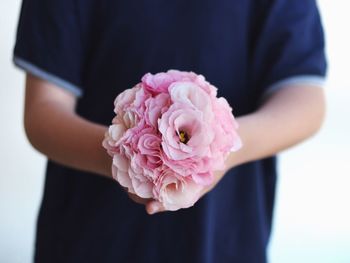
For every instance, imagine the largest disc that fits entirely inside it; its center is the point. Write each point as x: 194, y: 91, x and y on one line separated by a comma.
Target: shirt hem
x: 310, y: 80
x: 38, y: 72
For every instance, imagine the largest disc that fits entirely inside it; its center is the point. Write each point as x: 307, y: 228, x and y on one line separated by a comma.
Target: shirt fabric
x: 97, y: 49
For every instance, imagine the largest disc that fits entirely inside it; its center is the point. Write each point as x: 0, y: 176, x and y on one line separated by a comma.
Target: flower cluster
x: 169, y: 134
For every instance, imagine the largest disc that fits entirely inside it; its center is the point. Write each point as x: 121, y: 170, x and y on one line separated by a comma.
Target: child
x: 267, y: 59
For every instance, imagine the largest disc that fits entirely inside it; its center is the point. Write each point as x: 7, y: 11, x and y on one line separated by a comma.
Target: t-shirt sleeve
x: 289, y: 47
x: 49, y: 43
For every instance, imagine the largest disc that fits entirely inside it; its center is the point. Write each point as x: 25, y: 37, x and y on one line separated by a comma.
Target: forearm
x: 288, y: 117
x: 69, y: 140
x: 55, y: 130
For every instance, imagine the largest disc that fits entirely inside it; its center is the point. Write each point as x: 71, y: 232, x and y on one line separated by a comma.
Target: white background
x: 312, y: 216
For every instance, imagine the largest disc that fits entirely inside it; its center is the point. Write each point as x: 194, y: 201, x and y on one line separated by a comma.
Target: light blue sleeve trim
x: 312, y: 80
x: 38, y: 72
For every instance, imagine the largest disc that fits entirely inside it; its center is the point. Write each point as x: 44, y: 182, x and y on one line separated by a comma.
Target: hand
x: 139, y: 200
x: 153, y: 207
x: 136, y: 198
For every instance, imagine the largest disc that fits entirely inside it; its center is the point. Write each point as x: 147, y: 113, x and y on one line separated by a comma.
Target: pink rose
x: 120, y: 171
x: 189, y: 93
x: 160, y: 82
x: 141, y: 183
x: 124, y: 99
x: 157, y: 83
x: 199, y: 168
x: 133, y: 170
x: 199, y: 80
x: 148, y: 153
x: 155, y: 107
x: 185, y: 133
x: 131, y: 176
x: 141, y: 97
x: 226, y: 138
x: 170, y: 134
x: 175, y: 191
x: 113, y: 135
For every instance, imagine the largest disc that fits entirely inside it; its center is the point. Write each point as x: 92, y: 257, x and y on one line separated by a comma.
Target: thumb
x: 153, y: 207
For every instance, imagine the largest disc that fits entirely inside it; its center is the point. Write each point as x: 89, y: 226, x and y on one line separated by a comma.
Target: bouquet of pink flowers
x: 170, y: 134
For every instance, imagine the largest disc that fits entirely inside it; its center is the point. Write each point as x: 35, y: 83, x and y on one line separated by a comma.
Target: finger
x: 138, y: 199
x: 153, y: 207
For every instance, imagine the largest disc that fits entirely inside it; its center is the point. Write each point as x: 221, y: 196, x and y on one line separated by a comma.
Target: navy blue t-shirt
x: 96, y: 49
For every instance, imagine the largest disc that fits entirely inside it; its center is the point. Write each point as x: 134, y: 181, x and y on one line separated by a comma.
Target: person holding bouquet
x: 267, y: 61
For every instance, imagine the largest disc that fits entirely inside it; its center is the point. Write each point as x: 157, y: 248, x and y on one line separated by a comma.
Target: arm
x: 54, y: 129
x: 287, y: 117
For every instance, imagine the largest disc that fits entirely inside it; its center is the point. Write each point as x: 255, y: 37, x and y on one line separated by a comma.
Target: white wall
x: 21, y: 175
x: 312, y: 217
